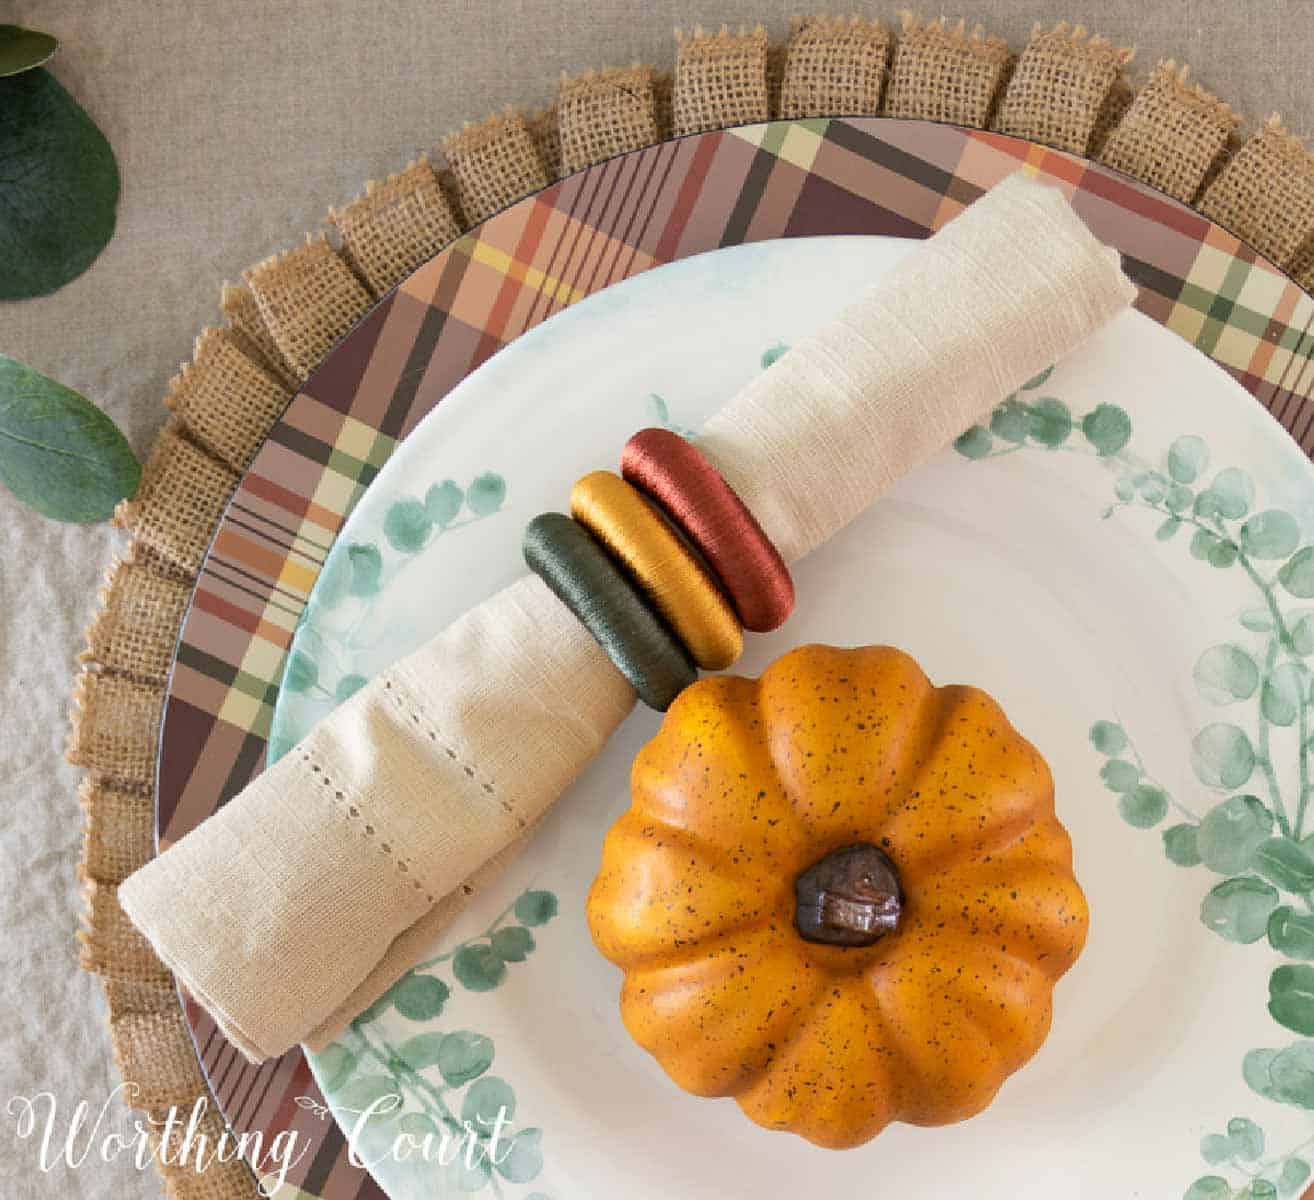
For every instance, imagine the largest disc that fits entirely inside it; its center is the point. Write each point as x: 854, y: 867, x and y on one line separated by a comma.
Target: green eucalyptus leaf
x: 975, y: 443
x: 1238, y: 909
x: 1124, y: 489
x: 1010, y: 423
x: 59, y: 454
x: 1107, y: 427
x: 1232, y: 492
x: 361, y: 1091
x: 1187, y: 457
x: 443, y: 501
x: 1262, y: 1189
x: 478, y: 968
x: 1168, y: 529
x: 1202, y: 542
x: 423, y: 1050
x: 407, y: 525
x: 1223, y: 553
x: 1119, y: 775
x: 1293, y: 1175
x: 1050, y: 422
x: 1215, y: 1148
x: 1246, y: 1137
x: 1291, y: 997
x: 536, y: 908
x: 335, y: 1063
x: 1270, y: 534
x: 1302, y: 633
x: 486, y: 493
x: 1209, y: 1187
x: 418, y: 1125
x: 1257, y: 620
x: 60, y: 185
x: 1283, y: 692
x: 1284, y: 863
x: 773, y: 354
x: 1297, y: 574
x: 1144, y: 806
x: 22, y: 49
x: 513, y: 944
x: 366, y: 565
x: 1257, y: 1070
x: 302, y: 672
x: 1181, y: 845
x: 1292, y: 933
x: 1038, y: 380
x: 463, y: 1056
x: 1222, y: 756
x: 1226, y: 673
x: 348, y: 686
x: 1288, y: 1074
x: 1153, y: 489
x: 486, y: 1099
x: 1179, y: 498
x: 1231, y: 832
x: 420, y: 997
x: 1108, y: 738
x: 523, y: 1158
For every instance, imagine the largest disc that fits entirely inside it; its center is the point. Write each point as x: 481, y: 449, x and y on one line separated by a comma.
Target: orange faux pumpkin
x: 748, y: 784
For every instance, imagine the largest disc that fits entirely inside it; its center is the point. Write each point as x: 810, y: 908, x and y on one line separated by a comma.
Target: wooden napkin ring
x: 678, y: 478
x: 579, y: 572
x: 662, y: 566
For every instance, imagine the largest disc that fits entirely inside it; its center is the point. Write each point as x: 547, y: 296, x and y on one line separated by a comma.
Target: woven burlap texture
x: 945, y: 74
x: 720, y: 79
x: 1058, y: 88
x: 308, y: 298
x: 395, y: 226
x: 225, y: 398
x: 1067, y: 90
x: 495, y: 163
x: 1266, y: 194
x: 834, y: 66
x: 1172, y: 133
x: 603, y: 114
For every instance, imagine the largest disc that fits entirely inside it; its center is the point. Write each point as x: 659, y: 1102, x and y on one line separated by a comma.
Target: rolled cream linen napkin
x: 295, y: 906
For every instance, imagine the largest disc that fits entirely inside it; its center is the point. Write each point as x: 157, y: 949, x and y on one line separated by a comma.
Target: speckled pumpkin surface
x: 751, y: 782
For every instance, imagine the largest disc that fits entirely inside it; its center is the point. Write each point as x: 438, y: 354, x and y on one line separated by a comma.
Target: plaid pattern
x: 786, y: 179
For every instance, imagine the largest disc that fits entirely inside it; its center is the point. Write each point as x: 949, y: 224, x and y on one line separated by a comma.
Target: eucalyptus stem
x: 1266, y: 590
x: 1264, y: 757
x: 408, y: 1073
x: 390, y: 1062
x: 487, y: 933
x: 356, y: 627
x: 1140, y: 763
x: 1303, y: 765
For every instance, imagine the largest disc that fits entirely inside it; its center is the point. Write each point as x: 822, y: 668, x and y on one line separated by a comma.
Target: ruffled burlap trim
x: 1064, y: 88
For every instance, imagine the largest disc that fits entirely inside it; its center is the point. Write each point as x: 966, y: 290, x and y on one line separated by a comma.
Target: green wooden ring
x: 562, y: 553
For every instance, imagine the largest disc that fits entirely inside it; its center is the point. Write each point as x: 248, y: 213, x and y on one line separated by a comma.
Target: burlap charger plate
x: 1064, y: 89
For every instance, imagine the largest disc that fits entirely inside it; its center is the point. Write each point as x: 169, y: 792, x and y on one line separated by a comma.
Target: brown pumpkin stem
x: 851, y: 897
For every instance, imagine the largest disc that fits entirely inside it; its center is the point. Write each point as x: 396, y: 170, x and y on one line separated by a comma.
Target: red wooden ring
x: 676, y: 476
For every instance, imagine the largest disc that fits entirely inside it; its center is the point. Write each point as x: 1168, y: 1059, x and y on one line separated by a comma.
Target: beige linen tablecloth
x: 236, y: 125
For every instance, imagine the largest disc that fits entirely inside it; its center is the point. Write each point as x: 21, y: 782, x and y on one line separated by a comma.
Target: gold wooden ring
x: 661, y: 565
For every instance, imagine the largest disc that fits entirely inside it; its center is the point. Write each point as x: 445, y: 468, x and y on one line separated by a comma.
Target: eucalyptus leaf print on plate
x: 338, y: 628
x: 425, y: 1097
x: 1253, y: 763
